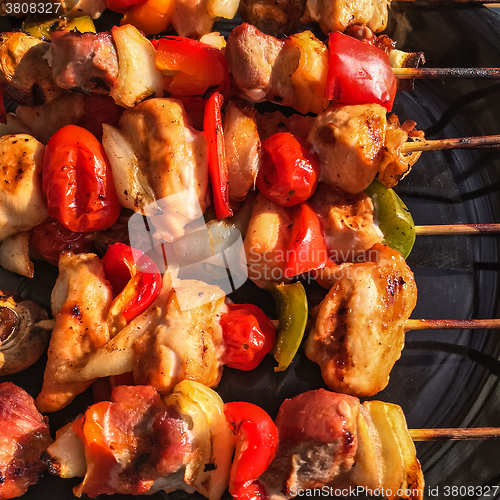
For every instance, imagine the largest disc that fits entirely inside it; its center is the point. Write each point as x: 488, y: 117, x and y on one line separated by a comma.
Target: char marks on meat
x: 86, y: 62
x: 317, y: 441
x: 24, y: 436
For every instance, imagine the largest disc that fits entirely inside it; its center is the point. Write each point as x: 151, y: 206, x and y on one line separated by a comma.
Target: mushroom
x: 24, y: 332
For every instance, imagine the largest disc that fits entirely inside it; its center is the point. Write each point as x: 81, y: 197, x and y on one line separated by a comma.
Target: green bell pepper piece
x: 394, y: 219
x: 43, y: 29
x: 291, y: 301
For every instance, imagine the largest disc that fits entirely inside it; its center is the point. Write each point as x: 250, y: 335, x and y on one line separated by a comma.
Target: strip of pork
x: 85, y: 62
x: 24, y: 436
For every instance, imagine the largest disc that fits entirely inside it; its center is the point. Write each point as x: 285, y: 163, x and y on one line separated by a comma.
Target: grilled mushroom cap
x: 25, y: 76
x: 24, y: 333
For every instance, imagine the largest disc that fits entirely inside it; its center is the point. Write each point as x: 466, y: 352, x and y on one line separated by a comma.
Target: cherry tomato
x: 359, y: 73
x: 289, y: 172
x: 256, y: 443
x: 50, y: 239
x: 77, y: 181
x: 248, y: 334
x: 307, y: 248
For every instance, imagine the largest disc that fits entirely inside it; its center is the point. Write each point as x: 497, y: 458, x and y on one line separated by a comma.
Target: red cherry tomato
x: 359, y: 73
x: 307, y: 248
x: 50, y: 239
x: 77, y: 181
x: 289, y: 171
x: 256, y: 443
x: 248, y: 334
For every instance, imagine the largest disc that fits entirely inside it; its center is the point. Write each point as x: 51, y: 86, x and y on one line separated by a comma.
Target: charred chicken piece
x: 24, y: 333
x: 289, y: 72
x: 25, y: 76
x: 348, y: 223
x: 395, y: 165
x: 338, y: 15
x: 355, y: 143
x: 242, y: 147
x: 359, y: 328
x: 80, y: 302
x: 350, y: 142
x: 276, y: 18
x: 22, y: 200
x: 85, y: 62
x: 177, y: 338
x: 25, y: 436
x: 160, y: 163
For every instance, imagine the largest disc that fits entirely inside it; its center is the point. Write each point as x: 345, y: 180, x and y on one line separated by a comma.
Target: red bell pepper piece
x: 248, y: 334
x: 122, y: 6
x: 217, y: 165
x: 289, y: 171
x: 191, y: 68
x: 256, y: 443
x: 134, y: 277
x: 307, y: 248
x: 359, y: 73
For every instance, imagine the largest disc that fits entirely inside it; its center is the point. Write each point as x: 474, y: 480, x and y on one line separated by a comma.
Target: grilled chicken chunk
x: 266, y: 241
x: 80, y: 302
x: 271, y: 17
x: 289, y: 72
x: 22, y: 201
x: 276, y: 122
x: 347, y: 222
x: 243, y: 150
x: 46, y: 119
x: 177, y: 338
x: 187, y: 343
x: 395, y: 165
x: 85, y: 62
x: 359, y: 327
x: 159, y: 165
x: 338, y: 15
x: 25, y: 76
x: 350, y: 142
x: 24, y: 436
